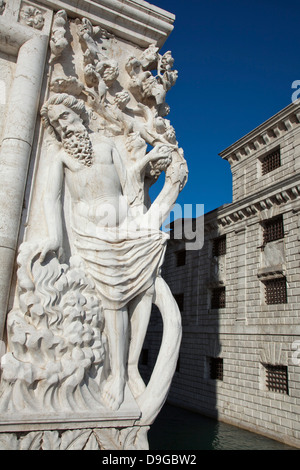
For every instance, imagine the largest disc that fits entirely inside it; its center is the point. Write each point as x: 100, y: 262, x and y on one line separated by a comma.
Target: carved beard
x: 79, y: 146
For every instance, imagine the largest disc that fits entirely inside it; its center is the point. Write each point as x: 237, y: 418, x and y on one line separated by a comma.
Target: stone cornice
x: 264, y: 135
x: 134, y: 20
x: 280, y: 193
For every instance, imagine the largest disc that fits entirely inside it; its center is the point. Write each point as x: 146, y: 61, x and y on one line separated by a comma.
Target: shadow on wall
x: 196, y: 281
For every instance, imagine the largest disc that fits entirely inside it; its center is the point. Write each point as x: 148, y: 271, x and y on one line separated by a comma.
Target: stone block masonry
x: 240, y: 362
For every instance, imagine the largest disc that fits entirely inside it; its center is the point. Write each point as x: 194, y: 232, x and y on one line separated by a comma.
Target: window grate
x: 273, y: 229
x: 270, y: 162
x: 218, y: 298
x: 277, y: 378
x: 219, y: 246
x: 216, y: 368
x: 275, y: 291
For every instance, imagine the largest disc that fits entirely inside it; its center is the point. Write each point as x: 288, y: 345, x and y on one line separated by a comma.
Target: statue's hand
x: 160, y: 151
x: 50, y: 245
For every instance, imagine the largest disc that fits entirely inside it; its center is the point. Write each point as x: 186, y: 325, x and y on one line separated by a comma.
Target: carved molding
x: 271, y: 272
x: 133, y: 438
x: 272, y: 353
x: 277, y: 199
x: 32, y: 16
x: 264, y: 135
x: 138, y: 22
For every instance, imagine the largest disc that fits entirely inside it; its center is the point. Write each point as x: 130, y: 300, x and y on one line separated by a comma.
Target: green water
x: 179, y: 429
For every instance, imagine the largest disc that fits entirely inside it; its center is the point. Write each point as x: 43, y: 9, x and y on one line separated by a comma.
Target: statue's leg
x: 165, y: 366
x: 139, y: 313
x: 116, y: 328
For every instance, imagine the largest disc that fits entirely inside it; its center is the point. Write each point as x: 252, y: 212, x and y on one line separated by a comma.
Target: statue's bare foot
x: 113, y: 392
x: 135, y: 382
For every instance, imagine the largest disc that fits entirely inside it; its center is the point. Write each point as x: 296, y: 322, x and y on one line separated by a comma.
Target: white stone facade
x: 248, y: 334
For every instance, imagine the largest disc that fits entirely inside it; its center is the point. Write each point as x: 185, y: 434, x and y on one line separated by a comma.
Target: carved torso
x: 96, y: 191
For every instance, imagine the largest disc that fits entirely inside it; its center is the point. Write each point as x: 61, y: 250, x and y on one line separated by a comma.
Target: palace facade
x: 239, y: 294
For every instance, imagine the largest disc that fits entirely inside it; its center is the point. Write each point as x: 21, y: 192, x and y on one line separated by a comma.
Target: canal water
x: 179, y: 429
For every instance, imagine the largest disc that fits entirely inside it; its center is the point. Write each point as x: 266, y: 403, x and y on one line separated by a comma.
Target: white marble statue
x: 89, y: 273
x: 122, y: 251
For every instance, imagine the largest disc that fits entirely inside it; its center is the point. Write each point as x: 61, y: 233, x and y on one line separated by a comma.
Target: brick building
x: 240, y: 294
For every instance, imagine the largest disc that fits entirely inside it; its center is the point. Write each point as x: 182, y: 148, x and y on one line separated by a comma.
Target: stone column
x: 17, y: 142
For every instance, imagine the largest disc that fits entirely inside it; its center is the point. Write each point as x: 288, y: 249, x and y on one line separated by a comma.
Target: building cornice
x: 264, y: 135
x: 136, y: 21
x: 278, y: 195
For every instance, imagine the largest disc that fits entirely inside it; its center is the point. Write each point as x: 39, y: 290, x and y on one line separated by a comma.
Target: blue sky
x: 237, y: 61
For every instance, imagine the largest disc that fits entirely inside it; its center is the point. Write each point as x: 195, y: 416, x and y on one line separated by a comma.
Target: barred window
x: 277, y: 378
x: 218, y: 297
x: 273, y: 229
x: 216, y: 368
x: 180, y: 258
x: 219, y: 246
x: 180, y: 301
x: 271, y: 161
x: 275, y: 291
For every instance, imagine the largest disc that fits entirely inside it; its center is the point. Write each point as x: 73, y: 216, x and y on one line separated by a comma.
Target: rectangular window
x: 273, y: 229
x: 277, y: 378
x: 180, y: 300
x: 218, y: 298
x: 271, y: 161
x: 216, y: 368
x: 275, y: 291
x: 180, y: 258
x: 219, y: 246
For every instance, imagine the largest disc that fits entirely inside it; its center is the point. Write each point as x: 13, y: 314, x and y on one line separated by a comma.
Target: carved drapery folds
x: 89, y: 274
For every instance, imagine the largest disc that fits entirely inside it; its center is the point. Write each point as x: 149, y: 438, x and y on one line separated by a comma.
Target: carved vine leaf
x: 9, y: 442
x: 108, y: 438
x: 134, y: 438
x: 74, y: 440
x: 51, y: 440
x: 92, y: 443
x: 31, y: 441
x: 128, y: 437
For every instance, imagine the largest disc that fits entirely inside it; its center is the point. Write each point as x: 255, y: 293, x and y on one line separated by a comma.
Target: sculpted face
x: 74, y: 136
x: 65, y: 121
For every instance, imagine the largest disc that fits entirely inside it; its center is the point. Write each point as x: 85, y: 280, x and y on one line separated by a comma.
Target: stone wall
x: 248, y: 334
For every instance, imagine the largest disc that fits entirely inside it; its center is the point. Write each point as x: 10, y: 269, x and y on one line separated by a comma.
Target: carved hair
x: 67, y: 100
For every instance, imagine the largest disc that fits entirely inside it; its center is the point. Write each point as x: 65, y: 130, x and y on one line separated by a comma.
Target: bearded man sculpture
x: 122, y: 253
